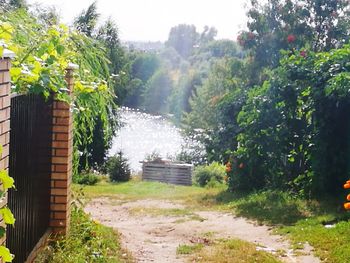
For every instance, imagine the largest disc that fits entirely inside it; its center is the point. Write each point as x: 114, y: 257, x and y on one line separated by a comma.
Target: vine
x: 6, y: 181
x: 5, y: 212
x: 43, y: 52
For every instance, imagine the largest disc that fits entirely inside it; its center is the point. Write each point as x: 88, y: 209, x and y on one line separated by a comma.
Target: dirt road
x: 153, y: 229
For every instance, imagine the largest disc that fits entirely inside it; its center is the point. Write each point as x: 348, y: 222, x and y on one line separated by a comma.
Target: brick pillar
x: 61, y: 166
x: 5, y: 101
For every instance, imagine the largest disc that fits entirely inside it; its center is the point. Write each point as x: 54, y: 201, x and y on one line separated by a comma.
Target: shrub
x: 153, y: 157
x: 118, y: 169
x: 86, y: 178
x: 210, y: 175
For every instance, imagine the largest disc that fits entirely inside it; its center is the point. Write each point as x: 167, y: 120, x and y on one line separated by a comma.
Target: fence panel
x: 30, y: 166
x: 172, y: 173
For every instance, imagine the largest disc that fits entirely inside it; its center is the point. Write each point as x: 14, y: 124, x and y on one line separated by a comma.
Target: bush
x: 210, y: 175
x: 118, y: 168
x: 86, y: 178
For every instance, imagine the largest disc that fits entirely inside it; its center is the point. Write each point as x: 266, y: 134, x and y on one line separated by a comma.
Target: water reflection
x: 142, y: 134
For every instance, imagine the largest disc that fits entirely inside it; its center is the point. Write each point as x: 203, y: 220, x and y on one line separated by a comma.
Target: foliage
x: 214, y: 108
x: 183, y: 38
x: 87, y: 20
x: 118, y: 168
x: 192, y: 152
x: 153, y: 157
x: 5, y: 212
x: 293, y: 126
x: 87, y: 241
x: 209, y: 174
x: 158, y: 89
x: 86, y: 178
x: 40, y: 67
x: 290, y: 24
x: 141, y: 67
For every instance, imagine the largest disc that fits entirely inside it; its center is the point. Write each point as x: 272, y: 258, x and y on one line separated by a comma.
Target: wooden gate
x: 30, y: 166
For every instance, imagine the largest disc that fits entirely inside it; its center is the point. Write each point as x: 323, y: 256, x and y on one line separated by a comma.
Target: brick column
x: 61, y: 165
x: 5, y: 101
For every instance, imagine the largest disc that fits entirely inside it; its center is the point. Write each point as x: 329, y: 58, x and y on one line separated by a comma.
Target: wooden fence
x: 167, y: 172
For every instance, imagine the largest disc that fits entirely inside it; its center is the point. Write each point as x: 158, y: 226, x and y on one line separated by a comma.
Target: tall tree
x: 157, y: 92
x: 208, y: 35
x: 183, y: 38
x: 87, y: 20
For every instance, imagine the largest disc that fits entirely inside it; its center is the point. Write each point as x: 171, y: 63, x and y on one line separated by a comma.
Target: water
x: 142, y: 134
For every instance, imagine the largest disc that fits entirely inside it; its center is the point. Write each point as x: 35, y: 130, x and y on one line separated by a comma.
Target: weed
x: 87, y: 241
x: 188, y: 249
x: 224, y: 251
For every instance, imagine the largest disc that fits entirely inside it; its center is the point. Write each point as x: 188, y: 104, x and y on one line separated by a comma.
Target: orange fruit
x: 347, y: 186
x: 348, y: 197
x: 347, y: 206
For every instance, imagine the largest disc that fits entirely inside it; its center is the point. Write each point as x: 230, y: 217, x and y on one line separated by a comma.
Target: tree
x: 183, y: 38
x: 87, y: 20
x: 208, y: 35
x: 109, y: 35
x: 18, y: 3
x: 144, y: 65
x: 291, y: 24
x: 157, y: 91
x: 183, y: 91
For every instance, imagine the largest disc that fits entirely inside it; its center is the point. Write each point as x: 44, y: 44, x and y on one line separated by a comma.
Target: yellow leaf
x: 5, y: 254
x: 7, y: 216
x: 15, y: 72
x: 7, y: 181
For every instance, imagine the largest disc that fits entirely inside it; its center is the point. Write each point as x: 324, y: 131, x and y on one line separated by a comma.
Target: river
x: 142, y: 134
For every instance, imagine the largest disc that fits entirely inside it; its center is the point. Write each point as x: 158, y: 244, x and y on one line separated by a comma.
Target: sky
x: 151, y: 20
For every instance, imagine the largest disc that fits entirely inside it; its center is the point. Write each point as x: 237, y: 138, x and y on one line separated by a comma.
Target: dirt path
x: 152, y: 229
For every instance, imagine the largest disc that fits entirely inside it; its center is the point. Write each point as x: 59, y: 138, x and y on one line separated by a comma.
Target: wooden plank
x: 168, y: 173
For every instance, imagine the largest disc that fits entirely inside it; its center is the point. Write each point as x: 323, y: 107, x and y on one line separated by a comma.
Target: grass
x: 134, y: 190
x: 87, y: 241
x: 300, y: 220
x: 323, y: 224
x: 227, y: 251
x: 332, y: 244
x: 188, y: 249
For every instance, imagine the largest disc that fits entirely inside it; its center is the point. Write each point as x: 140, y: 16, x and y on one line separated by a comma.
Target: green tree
x: 208, y: 35
x: 291, y: 24
x: 183, y: 38
x: 157, y: 91
x: 87, y: 20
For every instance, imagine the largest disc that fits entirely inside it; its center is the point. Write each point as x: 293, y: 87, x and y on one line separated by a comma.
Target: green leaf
x: 2, y: 231
x: 7, y: 216
x: 6, y: 180
x: 5, y: 254
x: 1, y: 51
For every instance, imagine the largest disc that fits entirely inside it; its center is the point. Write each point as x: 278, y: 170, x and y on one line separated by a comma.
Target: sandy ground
x: 153, y: 238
